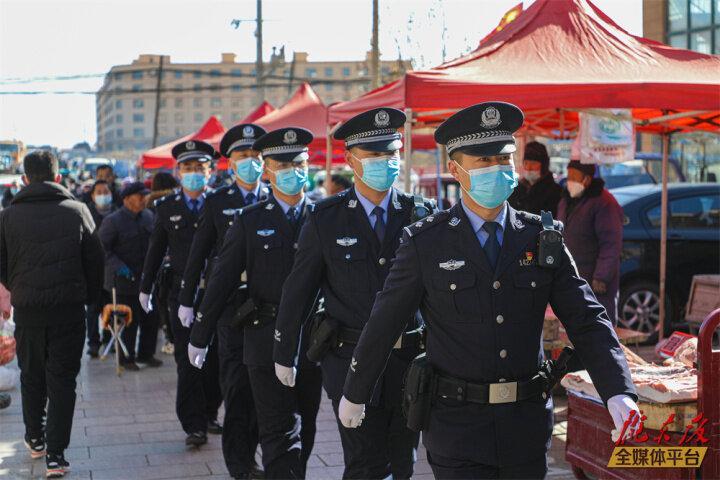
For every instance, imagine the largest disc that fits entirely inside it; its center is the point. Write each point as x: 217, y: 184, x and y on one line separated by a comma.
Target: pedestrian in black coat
x: 536, y: 190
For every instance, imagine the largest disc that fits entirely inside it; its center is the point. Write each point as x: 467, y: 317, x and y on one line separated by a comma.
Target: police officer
x: 262, y: 243
x: 347, y: 247
x: 239, y: 436
x: 176, y: 219
x: 474, y: 272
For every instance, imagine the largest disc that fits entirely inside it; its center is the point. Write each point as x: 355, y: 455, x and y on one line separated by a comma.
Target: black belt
x: 489, y: 393
x: 264, y: 314
x: 412, y: 338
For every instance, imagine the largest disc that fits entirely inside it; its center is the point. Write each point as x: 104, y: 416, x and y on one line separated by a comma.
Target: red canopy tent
x: 263, y: 109
x: 161, y: 156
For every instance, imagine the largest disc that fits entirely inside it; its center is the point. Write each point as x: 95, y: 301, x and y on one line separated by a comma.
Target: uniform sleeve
x: 590, y: 331
x: 108, y: 236
x: 93, y: 258
x: 202, y: 245
x: 156, y: 252
x: 608, y: 229
x: 298, y: 293
x: 3, y: 253
x: 224, y: 279
x: 399, y: 300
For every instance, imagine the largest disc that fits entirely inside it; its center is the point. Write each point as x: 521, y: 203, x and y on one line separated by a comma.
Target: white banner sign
x: 607, y: 139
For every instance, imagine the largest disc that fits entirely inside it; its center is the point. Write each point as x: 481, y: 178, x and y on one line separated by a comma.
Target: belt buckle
x: 505, y: 392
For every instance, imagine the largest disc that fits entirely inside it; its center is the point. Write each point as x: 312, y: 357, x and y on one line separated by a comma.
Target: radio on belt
x: 550, y: 243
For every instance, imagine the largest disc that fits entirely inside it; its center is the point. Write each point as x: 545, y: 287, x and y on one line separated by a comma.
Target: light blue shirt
x: 369, y: 206
x: 200, y: 201
x: 477, y: 222
x: 298, y: 206
x: 245, y: 192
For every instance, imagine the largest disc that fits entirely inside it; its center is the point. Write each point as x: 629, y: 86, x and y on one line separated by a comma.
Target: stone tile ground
x: 125, y: 428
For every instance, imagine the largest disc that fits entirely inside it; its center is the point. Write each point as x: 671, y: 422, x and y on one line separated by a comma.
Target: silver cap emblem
x: 490, y: 118
x: 382, y: 119
x: 190, y: 145
x: 290, y: 137
x: 248, y: 132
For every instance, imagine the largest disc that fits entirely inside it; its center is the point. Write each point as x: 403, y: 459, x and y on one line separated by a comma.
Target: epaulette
x: 330, y: 201
x: 427, y: 223
x: 217, y: 191
x: 251, y: 208
x: 537, y: 220
x: 167, y: 197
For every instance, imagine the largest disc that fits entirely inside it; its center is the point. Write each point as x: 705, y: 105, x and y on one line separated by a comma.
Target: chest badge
x: 176, y: 218
x: 231, y: 211
x: 265, y: 233
x: 346, y: 241
x: 451, y: 265
x: 527, y: 260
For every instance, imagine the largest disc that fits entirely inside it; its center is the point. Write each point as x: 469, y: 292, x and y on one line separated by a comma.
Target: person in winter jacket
x: 536, y: 190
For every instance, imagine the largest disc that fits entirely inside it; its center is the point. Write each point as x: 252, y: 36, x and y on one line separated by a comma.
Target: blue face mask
x: 379, y: 173
x: 103, y: 200
x: 248, y: 169
x: 291, y: 181
x: 491, y: 186
x: 193, y: 181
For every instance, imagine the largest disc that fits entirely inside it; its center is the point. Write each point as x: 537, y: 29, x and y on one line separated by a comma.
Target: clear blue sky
x: 55, y: 37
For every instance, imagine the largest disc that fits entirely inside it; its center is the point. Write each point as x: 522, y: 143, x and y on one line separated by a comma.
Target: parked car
x: 693, y: 248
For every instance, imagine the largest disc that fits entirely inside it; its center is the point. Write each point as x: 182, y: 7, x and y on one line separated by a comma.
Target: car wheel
x: 639, y: 308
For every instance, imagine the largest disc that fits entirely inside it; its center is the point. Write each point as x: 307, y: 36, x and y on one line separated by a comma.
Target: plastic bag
x: 7, y: 343
x: 8, y: 378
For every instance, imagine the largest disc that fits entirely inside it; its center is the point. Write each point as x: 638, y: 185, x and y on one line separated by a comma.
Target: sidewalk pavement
x: 126, y: 428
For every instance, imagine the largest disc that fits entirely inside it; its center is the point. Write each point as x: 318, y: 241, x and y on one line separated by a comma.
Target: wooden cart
x: 589, y: 446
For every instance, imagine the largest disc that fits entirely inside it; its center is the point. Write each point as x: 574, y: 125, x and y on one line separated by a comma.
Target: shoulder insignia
x: 426, y: 223
x: 163, y: 199
x: 269, y: 206
x: 336, y: 199
x: 533, y: 219
x: 352, y: 203
x: 248, y: 209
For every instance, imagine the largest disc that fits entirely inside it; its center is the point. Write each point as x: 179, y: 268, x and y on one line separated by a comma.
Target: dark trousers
x: 146, y: 324
x: 92, y: 320
x: 382, y: 445
x: 309, y: 393
x: 198, y: 390
x: 453, y: 468
x: 49, y: 356
x: 240, y: 429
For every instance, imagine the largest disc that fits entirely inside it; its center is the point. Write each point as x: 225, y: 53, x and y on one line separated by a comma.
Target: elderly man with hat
x: 536, y: 191
x: 239, y: 436
x: 262, y: 243
x: 125, y: 235
x: 346, y: 249
x: 475, y: 273
x: 176, y: 220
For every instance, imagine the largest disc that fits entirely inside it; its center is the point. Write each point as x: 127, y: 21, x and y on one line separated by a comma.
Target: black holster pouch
x: 418, y: 393
x: 552, y: 371
x: 245, y: 314
x: 323, y: 336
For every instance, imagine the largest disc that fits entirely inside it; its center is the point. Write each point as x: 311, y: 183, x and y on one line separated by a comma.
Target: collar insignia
x: 454, y: 221
x: 352, y: 203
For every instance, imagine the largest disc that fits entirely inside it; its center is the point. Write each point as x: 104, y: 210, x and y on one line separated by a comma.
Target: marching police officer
x: 346, y: 248
x: 176, y: 219
x: 262, y: 242
x: 240, y: 435
x: 477, y: 276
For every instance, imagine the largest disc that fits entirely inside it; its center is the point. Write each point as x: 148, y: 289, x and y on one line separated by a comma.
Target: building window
x: 694, y: 24
x: 119, y: 133
x: 215, y: 87
x: 328, y: 71
x: 198, y: 117
x: 138, y: 117
x: 235, y: 116
x: 179, y: 118
x: 163, y: 102
x: 137, y: 75
x: 700, y: 13
x: 136, y: 88
x: 386, y: 71
x: 236, y: 73
x: 139, y: 133
x: 310, y: 72
x: 235, y: 102
x: 346, y: 71
x: 197, y: 74
x: 178, y: 102
x: 118, y: 103
x: 236, y: 87
x: 197, y: 102
x: 118, y: 75
x: 701, y: 41
x: 138, y: 103
x: 197, y: 87
x: 329, y: 87
x: 178, y: 74
x: 215, y: 102
x: 118, y: 119
x: 214, y: 73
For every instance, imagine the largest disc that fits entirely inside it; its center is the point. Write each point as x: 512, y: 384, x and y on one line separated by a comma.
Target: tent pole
x: 408, y: 147
x: 328, y: 153
x: 663, y: 234
x: 438, y: 169
x: 562, y: 123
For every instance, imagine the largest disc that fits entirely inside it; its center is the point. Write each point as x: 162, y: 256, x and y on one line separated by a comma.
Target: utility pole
x: 259, y: 55
x: 157, y: 100
x: 375, y: 53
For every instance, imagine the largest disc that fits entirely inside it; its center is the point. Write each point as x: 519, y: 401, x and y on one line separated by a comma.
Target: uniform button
x: 544, y: 395
x: 255, y: 322
x: 382, y: 261
x: 503, y: 353
x: 453, y: 286
x: 496, y: 285
x: 499, y: 319
x: 347, y: 256
x: 266, y: 246
x: 195, y: 225
x: 533, y: 284
x: 230, y: 223
x: 295, y: 245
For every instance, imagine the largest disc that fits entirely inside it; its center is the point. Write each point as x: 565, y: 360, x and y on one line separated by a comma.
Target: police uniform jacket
x: 215, y: 217
x: 339, y: 252
x: 125, y: 237
x: 485, y: 326
x: 262, y: 243
x: 173, y: 231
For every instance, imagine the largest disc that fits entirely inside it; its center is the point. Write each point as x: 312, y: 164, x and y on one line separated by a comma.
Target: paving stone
x: 152, y: 472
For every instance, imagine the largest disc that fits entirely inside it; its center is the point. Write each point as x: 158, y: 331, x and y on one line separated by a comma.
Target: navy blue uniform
x: 485, y: 326
x: 341, y: 254
x: 262, y: 243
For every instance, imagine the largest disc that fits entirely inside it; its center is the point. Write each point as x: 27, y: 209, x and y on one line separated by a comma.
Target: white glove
x: 186, y: 315
x: 286, y: 375
x: 620, y: 407
x: 196, y: 355
x: 145, y: 301
x: 351, y: 414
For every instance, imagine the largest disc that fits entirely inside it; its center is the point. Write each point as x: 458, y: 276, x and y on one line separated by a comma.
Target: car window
x: 696, y: 212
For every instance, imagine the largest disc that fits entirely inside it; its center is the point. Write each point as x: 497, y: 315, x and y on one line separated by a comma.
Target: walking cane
x: 118, y: 344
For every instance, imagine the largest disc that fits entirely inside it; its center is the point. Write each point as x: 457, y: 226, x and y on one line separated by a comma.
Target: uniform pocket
x: 459, y: 292
x: 533, y: 290
x: 268, y: 254
x: 352, y: 265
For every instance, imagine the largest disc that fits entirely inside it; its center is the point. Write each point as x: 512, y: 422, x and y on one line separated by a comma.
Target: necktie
x: 194, y: 205
x: 492, y: 246
x: 379, y: 223
x: 291, y: 216
x: 250, y: 198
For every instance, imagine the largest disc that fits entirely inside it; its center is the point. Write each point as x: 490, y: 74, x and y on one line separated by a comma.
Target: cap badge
x: 248, y: 132
x: 190, y: 145
x: 382, y: 119
x: 490, y: 118
x: 290, y: 137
